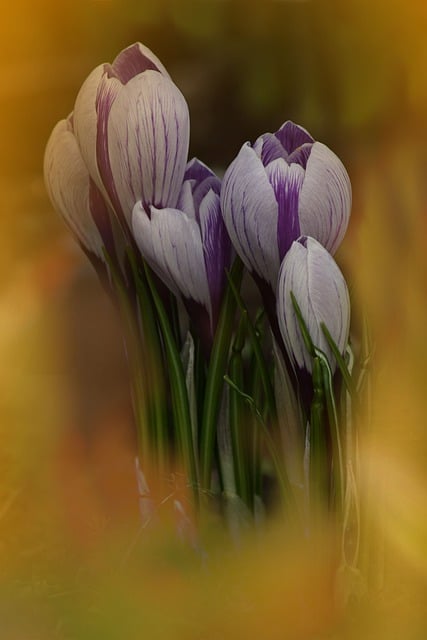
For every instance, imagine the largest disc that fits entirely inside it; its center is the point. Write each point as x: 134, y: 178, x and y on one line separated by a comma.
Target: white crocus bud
x: 311, y: 274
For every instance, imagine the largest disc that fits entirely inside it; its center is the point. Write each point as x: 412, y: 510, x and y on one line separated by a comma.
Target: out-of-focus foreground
x: 74, y: 562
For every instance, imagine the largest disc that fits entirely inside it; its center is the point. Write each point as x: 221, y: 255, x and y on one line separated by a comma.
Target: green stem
x: 153, y: 356
x: 216, y: 371
x: 237, y: 419
x: 180, y: 401
x: 135, y: 358
x: 256, y: 444
x: 318, y: 454
x: 256, y: 346
x: 338, y: 462
x: 282, y: 478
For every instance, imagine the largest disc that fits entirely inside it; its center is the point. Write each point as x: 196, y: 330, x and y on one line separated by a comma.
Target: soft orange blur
x: 75, y: 561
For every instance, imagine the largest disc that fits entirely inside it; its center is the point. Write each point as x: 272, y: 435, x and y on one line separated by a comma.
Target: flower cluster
x: 117, y: 169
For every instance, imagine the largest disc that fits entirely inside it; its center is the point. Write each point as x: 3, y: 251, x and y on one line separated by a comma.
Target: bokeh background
x: 354, y: 73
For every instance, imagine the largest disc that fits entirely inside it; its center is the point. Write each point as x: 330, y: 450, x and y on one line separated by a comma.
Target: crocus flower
x: 188, y: 246
x: 284, y: 186
x: 132, y: 128
x: 312, y: 275
x: 73, y: 192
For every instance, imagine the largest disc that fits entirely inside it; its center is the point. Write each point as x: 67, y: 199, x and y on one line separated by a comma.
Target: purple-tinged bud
x: 188, y: 246
x: 132, y: 127
x: 284, y: 186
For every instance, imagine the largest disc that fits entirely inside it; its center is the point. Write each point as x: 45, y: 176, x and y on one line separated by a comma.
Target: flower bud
x: 127, y: 137
x: 73, y: 192
x: 284, y: 186
x: 312, y: 275
x: 188, y: 246
x: 132, y: 127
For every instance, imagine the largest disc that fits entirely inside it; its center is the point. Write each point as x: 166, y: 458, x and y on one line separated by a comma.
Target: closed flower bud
x: 312, y: 275
x: 284, y: 186
x: 127, y: 138
x: 73, y: 192
x: 132, y: 127
x: 188, y: 246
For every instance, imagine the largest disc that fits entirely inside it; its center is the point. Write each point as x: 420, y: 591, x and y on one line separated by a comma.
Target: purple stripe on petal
x: 197, y: 170
x: 210, y: 184
x: 286, y: 181
x: 301, y: 155
x: 216, y: 248
x: 101, y: 216
x: 132, y: 61
x: 268, y: 147
x: 292, y: 136
x: 107, y: 93
x: 148, y: 135
x: 250, y: 212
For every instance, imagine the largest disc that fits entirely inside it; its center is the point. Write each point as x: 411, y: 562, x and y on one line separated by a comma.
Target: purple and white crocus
x: 283, y: 186
x: 131, y: 128
x: 312, y: 275
x: 188, y: 245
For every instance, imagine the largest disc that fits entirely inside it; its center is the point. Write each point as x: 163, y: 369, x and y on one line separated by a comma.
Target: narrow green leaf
x: 340, y: 361
x: 285, y: 487
x: 303, y: 327
x: 215, y: 376
x: 178, y: 389
x: 254, y: 337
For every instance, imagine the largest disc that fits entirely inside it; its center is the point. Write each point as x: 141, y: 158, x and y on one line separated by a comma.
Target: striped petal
x: 136, y: 59
x: 70, y: 187
x: 216, y: 248
x: 197, y: 170
x: 310, y: 272
x: 85, y: 117
x: 286, y: 181
x: 148, y: 137
x: 325, y: 198
x: 92, y: 110
x: 268, y: 147
x: 292, y: 136
x: 250, y: 214
x: 171, y: 243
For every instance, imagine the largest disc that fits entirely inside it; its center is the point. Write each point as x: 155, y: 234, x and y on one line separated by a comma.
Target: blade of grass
x: 215, y: 376
x: 153, y: 357
x: 257, y: 349
x: 181, y: 408
x: 285, y: 487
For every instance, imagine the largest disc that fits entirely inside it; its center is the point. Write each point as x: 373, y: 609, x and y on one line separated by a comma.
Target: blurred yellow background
x: 354, y: 73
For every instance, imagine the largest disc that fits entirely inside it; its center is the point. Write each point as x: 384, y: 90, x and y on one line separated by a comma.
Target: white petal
x: 329, y: 297
x: 293, y: 277
x: 250, y: 213
x: 325, y: 198
x: 185, y: 199
x: 67, y: 182
x: 319, y: 287
x: 172, y: 245
x: 148, y: 137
